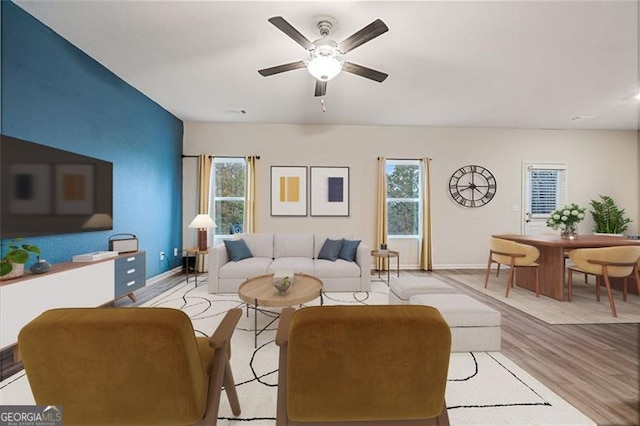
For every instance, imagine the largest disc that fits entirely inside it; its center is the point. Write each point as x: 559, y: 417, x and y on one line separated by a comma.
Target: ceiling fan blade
x: 282, y: 68
x: 321, y: 88
x: 364, y: 72
x: 366, y: 34
x: 289, y: 30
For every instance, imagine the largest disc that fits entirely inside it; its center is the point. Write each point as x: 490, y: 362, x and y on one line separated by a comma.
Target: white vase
x: 17, y: 271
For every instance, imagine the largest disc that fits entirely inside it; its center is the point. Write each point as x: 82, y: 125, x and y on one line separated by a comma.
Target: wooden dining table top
x: 582, y: 241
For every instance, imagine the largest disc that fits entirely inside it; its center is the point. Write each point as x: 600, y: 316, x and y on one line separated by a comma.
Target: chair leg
x: 498, y: 271
x: 510, y: 280
x: 537, y: 282
x: 598, y: 278
x: 570, y: 279
x: 608, y: 286
x: 443, y: 417
x: 625, y: 282
x: 230, y: 389
x: 486, y: 278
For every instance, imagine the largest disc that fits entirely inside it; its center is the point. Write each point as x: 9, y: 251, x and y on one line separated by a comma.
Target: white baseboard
x: 164, y: 275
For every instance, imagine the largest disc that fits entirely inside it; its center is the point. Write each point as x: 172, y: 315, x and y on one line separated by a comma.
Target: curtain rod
x: 257, y: 157
x: 428, y: 158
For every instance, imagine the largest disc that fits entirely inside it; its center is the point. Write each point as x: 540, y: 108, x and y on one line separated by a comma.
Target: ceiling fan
x: 325, y: 55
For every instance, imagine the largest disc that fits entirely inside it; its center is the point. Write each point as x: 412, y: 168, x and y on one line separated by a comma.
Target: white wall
x: 600, y: 162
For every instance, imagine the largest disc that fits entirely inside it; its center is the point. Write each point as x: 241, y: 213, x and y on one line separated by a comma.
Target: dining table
x: 551, y: 262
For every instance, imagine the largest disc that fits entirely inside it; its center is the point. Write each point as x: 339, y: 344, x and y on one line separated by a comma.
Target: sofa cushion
x: 302, y: 265
x: 261, y: 244
x: 319, y: 239
x: 237, y: 250
x: 339, y: 269
x: 246, y: 268
x: 348, y: 250
x: 293, y: 245
x: 331, y: 249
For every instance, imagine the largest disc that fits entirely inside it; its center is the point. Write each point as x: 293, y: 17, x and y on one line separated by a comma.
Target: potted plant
x: 608, y: 217
x: 15, y: 254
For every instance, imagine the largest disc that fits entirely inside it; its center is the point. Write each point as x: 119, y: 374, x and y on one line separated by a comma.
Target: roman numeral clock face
x: 472, y: 186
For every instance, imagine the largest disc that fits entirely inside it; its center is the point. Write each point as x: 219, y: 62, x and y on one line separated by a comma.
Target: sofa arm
x: 363, y: 259
x: 218, y: 257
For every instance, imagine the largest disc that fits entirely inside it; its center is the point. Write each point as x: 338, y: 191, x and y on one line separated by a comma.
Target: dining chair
x: 505, y: 252
x: 605, y: 263
x: 363, y: 365
x: 133, y: 366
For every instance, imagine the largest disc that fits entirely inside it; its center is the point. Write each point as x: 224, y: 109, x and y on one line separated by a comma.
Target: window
x: 227, y: 188
x: 546, y: 189
x: 403, y: 198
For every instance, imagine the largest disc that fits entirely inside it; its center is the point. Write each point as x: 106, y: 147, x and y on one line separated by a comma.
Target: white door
x: 544, y: 190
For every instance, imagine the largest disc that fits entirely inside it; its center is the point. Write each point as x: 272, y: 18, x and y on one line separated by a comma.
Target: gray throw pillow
x: 237, y: 249
x: 348, y: 250
x: 331, y: 249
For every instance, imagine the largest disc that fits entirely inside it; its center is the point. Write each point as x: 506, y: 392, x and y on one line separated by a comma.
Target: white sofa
x: 296, y: 252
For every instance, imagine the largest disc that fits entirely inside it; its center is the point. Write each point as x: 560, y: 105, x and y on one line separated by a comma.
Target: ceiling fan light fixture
x: 324, y: 68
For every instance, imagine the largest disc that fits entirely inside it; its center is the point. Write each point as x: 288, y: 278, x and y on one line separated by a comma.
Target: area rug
x: 483, y: 388
x: 583, y: 309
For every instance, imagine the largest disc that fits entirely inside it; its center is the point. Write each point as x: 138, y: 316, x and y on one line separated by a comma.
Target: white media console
x: 69, y: 284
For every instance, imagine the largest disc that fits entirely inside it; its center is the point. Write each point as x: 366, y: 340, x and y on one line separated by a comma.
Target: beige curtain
x: 204, y: 187
x: 250, y: 196
x: 381, y: 208
x: 426, y: 263
x: 204, y: 182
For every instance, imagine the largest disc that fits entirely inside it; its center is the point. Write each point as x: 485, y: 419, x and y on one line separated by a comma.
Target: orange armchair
x: 515, y: 255
x: 604, y: 263
x: 133, y: 366
x: 370, y: 365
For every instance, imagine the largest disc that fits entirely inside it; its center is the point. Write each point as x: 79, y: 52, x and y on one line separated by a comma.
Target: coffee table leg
x: 255, y: 324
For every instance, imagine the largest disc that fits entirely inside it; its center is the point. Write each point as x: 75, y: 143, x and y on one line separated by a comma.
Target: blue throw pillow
x: 348, y: 250
x: 330, y: 249
x: 237, y: 249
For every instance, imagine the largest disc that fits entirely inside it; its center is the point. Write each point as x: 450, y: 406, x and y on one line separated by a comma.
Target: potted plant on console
x: 15, y: 254
x: 608, y: 217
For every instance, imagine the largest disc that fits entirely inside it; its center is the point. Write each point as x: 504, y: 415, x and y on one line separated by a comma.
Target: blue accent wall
x: 56, y: 95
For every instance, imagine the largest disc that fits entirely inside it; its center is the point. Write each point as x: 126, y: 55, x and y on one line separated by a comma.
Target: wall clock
x: 472, y: 186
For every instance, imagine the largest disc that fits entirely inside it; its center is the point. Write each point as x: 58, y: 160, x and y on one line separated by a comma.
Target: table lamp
x: 202, y: 222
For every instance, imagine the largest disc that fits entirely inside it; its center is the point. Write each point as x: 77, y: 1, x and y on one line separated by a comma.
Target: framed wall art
x: 288, y: 191
x: 74, y: 189
x: 329, y: 191
x: 30, y: 190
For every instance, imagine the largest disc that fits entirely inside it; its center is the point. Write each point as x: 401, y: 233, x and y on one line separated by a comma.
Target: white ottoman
x: 401, y: 289
x: 474, y: 326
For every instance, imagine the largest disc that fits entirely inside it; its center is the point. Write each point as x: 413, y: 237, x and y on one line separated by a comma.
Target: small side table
x: 193, y: 253
x: 388, y: 254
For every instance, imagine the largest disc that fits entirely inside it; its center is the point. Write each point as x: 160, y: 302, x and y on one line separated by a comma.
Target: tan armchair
x: 604, y: 263
x: 368, y: 365
x: 133, y: 366
x: 515, y: 255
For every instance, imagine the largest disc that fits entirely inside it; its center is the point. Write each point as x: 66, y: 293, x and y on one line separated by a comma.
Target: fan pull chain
x: 324, y: 109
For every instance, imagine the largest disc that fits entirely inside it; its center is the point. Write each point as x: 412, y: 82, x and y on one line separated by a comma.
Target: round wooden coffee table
x: 259, y: 292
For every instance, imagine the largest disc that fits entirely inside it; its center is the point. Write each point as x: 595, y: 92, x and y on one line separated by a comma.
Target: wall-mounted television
x: 48, y: 191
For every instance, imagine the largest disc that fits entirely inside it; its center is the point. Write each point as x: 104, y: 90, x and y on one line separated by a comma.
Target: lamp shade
x: 203, y: 221
x: 324, y: 68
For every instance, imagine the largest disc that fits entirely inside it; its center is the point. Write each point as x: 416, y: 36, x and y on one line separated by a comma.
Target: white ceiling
x: 527, y: 64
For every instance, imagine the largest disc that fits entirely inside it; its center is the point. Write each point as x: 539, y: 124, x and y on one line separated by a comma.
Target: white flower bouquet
x: 566, y: 218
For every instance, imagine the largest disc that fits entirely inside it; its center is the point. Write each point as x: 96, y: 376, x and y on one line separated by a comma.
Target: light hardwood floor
x: 593, y: 367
